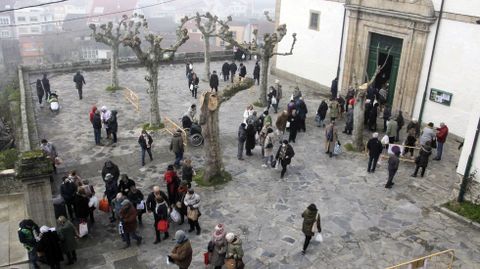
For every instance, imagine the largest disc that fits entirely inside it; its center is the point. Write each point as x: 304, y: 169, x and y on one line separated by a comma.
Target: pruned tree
x: 151, y: 55
x: 111, y: 34
x: 210, y: 106
x: 359, y: 107
x: 207, y: 25
x: 264, y: 51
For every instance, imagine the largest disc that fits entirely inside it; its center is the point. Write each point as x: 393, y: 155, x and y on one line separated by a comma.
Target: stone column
x: 34, y: 171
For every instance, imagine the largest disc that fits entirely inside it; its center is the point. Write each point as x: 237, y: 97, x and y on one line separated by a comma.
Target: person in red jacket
x: 92, y: 113
x: 172, y: 180
x: 442, y: 133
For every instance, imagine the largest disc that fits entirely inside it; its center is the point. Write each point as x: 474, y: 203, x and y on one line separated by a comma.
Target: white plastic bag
x: 141, y: 205
x: 318, y: 237
x: 82, y: 229
x: 191, y: 87
x: 385, y: 140
x: 338, y: 149
x: 274, y: 100
x: 93, y: 202
x: 175, y: 216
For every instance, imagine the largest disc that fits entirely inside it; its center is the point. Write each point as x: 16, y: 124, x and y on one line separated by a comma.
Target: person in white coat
x: 192, y: 201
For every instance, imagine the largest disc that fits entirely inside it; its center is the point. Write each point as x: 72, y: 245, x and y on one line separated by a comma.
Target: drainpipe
x: 466, y: 174
x: 341, y: 41
x: 422, y: 107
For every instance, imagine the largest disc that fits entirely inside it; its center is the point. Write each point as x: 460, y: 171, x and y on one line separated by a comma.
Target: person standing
x: 334, y: 88
x: 310, y: 217
x: 49, y: 245
x: 182, y: 253
x: 125, y: 184
x: 391, y: 130
x: 40, y: 91
x: 331, y: 138
x: 67, y: 234
x: 218, y: 247
x: 302, y: 111
x: 214, y: 81
x: 46, y: 86
x: 295, y: 124
x: 428, y: 135
x: 97, y: 128
x: 256, y: 72
x: 226, y: 71
x: 187, y: 171
x: 92, y: 113
x: 393, y: 163
x: 422, y: 159
x: 26, y: 235
x: 192, y: 202
x: 372, y: 121
x: 50, y: 152
x: 334, y: 108
x: 387, y: 113
x: 110, y: 168
x: 250, y: 140
x: 233, y: 69
x: 154, y: 199
x: 145, y: 141
x: 176, y: 146
x: 284, y: 155
x: 235, y: 250
x: 272, y: 99
x: 278, y: 87
x: 349, y: 121
x: 67, y: 191
x: 281, y: 122
x: 128, y: 218
x: 194, y: 85
x: 268, y: 145
x: 375, y: 148
x: 321, y: 113
x: 136, y: 197
x: 442, y: 133
x: 79, y: 82
x: 173, y: 182
x: 111, y: 190
x: 243, y: 72
x: 105, y: 115
x: 242, y: 137
x: 161, y: 213
x: 82, y: 209
x: 400, y: 123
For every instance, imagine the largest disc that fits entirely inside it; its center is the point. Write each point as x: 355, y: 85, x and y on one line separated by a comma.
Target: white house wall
x: 464, y: 7
x: 315, y: 56
x: 455, y: 70
x: 467, y: 147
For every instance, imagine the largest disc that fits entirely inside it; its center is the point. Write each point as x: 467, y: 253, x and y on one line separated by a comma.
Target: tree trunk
x: 207, y: 58
x: 211, y: 135
x: 114, y: 65
x: 155, y: 119
x: 358, y: 120
x: 264, y: 80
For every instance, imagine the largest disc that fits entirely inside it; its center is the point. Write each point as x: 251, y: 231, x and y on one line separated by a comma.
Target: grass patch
x: 8, y: 158
x: 221, y: 179
x: 113, y: 88
x: 466, y: 209
x: 147, y: 127
x: 349, y: 147
x: 258, y: 104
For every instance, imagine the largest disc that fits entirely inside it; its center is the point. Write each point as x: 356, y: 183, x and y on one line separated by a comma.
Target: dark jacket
x: 187, y: 173
x: 112, y: 122
x: 301, y: 109
x: 322, y: 110
x: 400, y: 121
x: 213, y: 81
x: 161, y: 211
x: 124, y: 187
x: 374, y: 147
x: 97, y: 121
x: 128, y: 216
x: 110, y: 168
x: 67, y: 233
x: 82, y: 210
x: 393, y: 163
x: 349, y: 120
x: 256, y: 71
x: 243, y: 71
x: 290, y: 153
x: 136, y: 198
x: 233, y: 68
x: 387, y: 113
x: 242, y: 133
x: 68, y: 190
x: 310, y: 215
x: 111, y: 189
x: 79, y: 81
x: 26, y: 230
x: 176, y: 144
x: 40, y: 91
x: 151, y: 203
x: 143, y: 142
x: 250, y: 141
x: 415, y: 126
x: 46, y: 84
x: 49, y: 244
x: 424, y: 154
x: 226, y: 68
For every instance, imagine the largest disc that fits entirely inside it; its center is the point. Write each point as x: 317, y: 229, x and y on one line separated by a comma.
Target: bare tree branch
x: 268, y: 16
x: 294, y: 35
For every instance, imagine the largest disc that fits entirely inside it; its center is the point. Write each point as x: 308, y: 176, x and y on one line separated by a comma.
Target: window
x: 21, y: 19
x: 22, y: 30
x: 34, y: 19
x: 4, y: 34
x: 314, y: 20
x: 34, y: 29
x: 4, y: 20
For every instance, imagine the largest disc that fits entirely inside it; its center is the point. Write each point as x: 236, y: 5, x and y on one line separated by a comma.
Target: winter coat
x: 187, y: 173
x: 92, y: 114
x: 250, y: 141
x: 281, y: 122
x: 423, y: 156
x: 46, y: 84
x: 110, y: 168
x: 79, y: 81
x: 387, y: 113
x: 233, y: 68
x: 415, y: 126
x: 112, y: 122
x: 428, y: 134
x: 96, y: 121
x: 111, y: 189
x: 301, y: 109
x: 242, y: 134
x: 40, y: 91
x: 226, y: 68
x: 391, y: 128
x: 176, y: 144
x: 161, y: 211
x: 49, y: 244
x: 372, y: 117
x: 270, y: 139
x: 68, y: 190
x: 128, y: 215
x: 374, y: 147
x: 82, y: 210
x: 334, y: 109
x: 124, y: 187
x: 192, y: 200
x: 136, y: 198
x: 182, y: 254
x: 151, y: 203
x: 309, y: 217
x: 26, y: 230
x: 393, y: 163
x: 49, y: 150
x: 143, y: 143
x: 217, y: 257
x: 322, y: 110
x: 331, y: 137
x: 442, y: 133
x: 66, y: 232
x: 243, y: 71
x: 349, y: 121
x: 172, y: 181
x: 288, y: 154
x: 213, y: 81
x: 235, y: 249
x: 400, y: 121
x: 256, y: 71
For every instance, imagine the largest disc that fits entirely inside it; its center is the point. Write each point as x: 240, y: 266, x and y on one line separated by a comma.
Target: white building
x: 409, y: 28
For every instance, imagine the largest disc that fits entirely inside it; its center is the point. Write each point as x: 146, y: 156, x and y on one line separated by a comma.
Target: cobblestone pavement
x: 364, y: 224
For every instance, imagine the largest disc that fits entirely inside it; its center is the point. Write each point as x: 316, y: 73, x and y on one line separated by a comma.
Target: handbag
x: 82, y: 229
x: 93, y: 202
x: 191, y: 87
x: 274, y: 100
x: 433, y: 143
x: 120, y: 229
x: 338, y: 149
x: 230, y: 263
x: 174, y: 215
x: 103, y: 205
x: 141, y: 205
x: 192, y: 214
x: 162, y: 226
x: 318, y: 237
x: 206, y: 258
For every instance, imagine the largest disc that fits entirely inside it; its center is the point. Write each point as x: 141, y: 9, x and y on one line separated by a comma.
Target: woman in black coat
x: 322, y: 113
x: 372, y: 121
x: 40, y: 91
x: 422, y: 159
x: 250, y: 142
x: 284, y: 155
x: 136, y: 197
x: 110, y: 168
x: 113, y: 125
x: 256, y: 73
x: 49, y: 245
x: 82, y: 210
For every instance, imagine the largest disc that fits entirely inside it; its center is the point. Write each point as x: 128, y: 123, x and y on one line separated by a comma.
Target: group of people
x: 103, y: 118
x: 42, y: 87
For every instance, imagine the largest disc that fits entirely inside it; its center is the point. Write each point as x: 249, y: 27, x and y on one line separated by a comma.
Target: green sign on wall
x: 441, y: 97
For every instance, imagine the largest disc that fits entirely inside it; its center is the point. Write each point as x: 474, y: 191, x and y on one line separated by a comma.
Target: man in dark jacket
x: 393, y: 163
x: 302, y: 113
x: 243, y: 71
x: 242, y: 137
x: 334, y: 88
x: 422, y: 159
x: 226, y: 71
x: 310, y: 217
x: 284, y: 155
x: 442, y: 134
x: 26, y: 236
x: 49, y: 245
x: 125, y: 184
x: 152, y: 200
x: 97, y: 127
x: 176, y: 146
x: 233, y: 70
x: 67, y: 191
x: 256, y: 73
x: 387, y: 113
x: 79, y: 82
x: 321, y: 113
x: 349, y: 121
x: 145, y: 141
x: 214, y: 81
x: 46, y: 86
x: 250, y: 141
x: 110, y: 168
x: 111, y: 190
x: 400, y: 123
x: 113, y: 126
x: 374, y: 147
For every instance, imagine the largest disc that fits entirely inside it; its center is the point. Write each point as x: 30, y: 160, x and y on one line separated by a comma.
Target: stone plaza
x: 364, y: 225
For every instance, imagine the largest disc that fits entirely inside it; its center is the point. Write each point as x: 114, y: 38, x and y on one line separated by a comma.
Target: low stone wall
x: 472, y: 194
x: 9, y: 184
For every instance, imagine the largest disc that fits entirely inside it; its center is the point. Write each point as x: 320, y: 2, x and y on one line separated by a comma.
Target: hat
x: 375, y: 135
x: 277, y: 81
x: 104, y: 108
x: 230, y: 237
x: 312, y: 207
x: 180, y: 236
x: 108, y: 176
x: 285, y: 141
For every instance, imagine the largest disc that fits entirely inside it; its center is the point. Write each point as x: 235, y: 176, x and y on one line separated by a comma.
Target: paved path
x: 365, y: 225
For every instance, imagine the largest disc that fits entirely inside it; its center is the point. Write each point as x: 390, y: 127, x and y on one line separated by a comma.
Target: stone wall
x: 9, y: 184
x: 472, y: 194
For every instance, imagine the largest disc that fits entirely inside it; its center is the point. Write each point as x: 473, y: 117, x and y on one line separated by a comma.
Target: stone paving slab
x: 364, y: 224
x: 12, y: 211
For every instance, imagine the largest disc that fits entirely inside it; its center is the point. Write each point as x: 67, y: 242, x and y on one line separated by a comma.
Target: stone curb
x: 457, y: 217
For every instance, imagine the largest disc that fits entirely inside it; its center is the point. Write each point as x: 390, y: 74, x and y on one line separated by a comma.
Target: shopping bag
x: 338, y: 149
x: 274, y: 100
x: 230, y: 264
x: 82, y: 229
x: 192, y: 214
x: 318, y: 237
x: 191, y: 87
x: 206, y: 258
x: 174, y: 215
x: 141, y: 205
x: 162, y: 226
x: 93, y: 202
x: 103, y: 205
x: 120, y: 229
